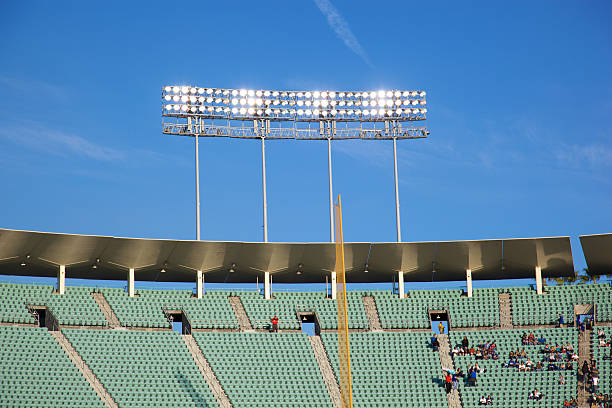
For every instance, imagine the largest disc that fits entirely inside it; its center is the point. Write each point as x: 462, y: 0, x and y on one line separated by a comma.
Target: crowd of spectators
x: 485, y: 351
x: 486, y: 400
x: 600, y: 401
x: 555, y: 357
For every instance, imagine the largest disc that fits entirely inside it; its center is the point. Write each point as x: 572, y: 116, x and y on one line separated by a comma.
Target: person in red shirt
x: 448, y: 383
x: 274, y: 321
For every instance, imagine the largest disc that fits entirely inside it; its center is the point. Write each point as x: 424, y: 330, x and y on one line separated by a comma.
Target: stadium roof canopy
x: 39, y: 254
x: 598, y: 253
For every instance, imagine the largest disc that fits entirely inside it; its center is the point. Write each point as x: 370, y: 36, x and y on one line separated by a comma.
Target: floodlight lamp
x: 398, y: 102
x: 193, y: 90
x: 167, y: 97
x: 176, y: 89
x: 234, y: 92
x: 332, y: 94
x: 323, y: 94
x: 234, y: 111
x: 300, y: 112
x: 422, y: 94
x: 358, y: 95
x: 423, y: 110
x: 259, y: 112
x: 317, y: 103
x: 397, y: 94
x: 398, y: 111
x: 349, y: 112
x: 234, y: 101
x: 176, y: 107
x: 334, y: 112
x: 307, y: 95
x: 349, y: 95
x: 258, y: 102
x: 316, y: 94
x: 299, y: 94
x: 300, y: 103
x: 308, y: 112
x: 389, y: 94
x: 201, y: 99
x: 193, y: 109
x: 372, y: 94
x: 266, y: 93
x: 184, y: 89
x: 168, y: 88
x: 365, y: 112
x: 243, y: 101
x: 308, y: 103
x: 192, y: 99
x: 275, y: 93
x: 406, y: 102
x: 243, y: 92
x: 342, y: 103
x: 243, y: 111
x: 258, y: 93
x: 381, y: 112
x: 218, y: 100
x: 202, y: 108
x: 381, y: 94
x: 324, y: 104
x: 251, y: 92
x: 184, y: 108
x: 324, y: 113
x: 349, y: 103
x: 415, y: 102
x: 341, y: 95
x: 184, y: 98
x: 283, y: 95
x: 251, y: 101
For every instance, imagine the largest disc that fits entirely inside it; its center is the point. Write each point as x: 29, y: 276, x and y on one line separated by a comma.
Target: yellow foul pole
x: 344, y: 352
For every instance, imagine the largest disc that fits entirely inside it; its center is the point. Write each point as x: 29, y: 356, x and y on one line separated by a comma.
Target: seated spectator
x: 561, y: 379
x: 538, y: 366
x: 435, y: 344
x: 536, y: 395
x: 482, y: 400
x: 524, y: 338
x: 601, y: 334
x: 455, y: 351
x: 523, y: 353
x: 489, y: 400
x: 542, y: 340
x: 472, y: 378
x: 561, y: 322
x: 465, y: 343
x: 522, y: 366
x: 531, y: 339
x: 460, y: 373
x: 573, y: 403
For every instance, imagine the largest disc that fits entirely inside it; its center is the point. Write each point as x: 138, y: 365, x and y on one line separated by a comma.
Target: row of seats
x: 143, y: 369
x: 481, y: 310
x: 285, y: 305
x: 35, y: 372
x: 509, y: 387
x: 146, y: 309
x: 76, y: 307
x: 262, y: 369
x: 529, y: 308
x: 391, y: 369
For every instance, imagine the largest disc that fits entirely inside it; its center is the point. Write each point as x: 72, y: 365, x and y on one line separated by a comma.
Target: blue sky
x: 519, y: 98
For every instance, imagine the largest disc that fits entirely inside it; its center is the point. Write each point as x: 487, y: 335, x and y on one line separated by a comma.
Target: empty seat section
x: 481, y: 310
x: 265, y: 370
x: 143, y: 369
x: 391, y: 369
x: 35, y: 372
x: 509, y: 387
x: 286, y: 305
x: 529, y: 308
x: 76, y: 307
x: 213, y: 311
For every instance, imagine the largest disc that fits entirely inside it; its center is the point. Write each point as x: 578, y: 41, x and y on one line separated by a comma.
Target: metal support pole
x: 400, y: 283
x: 265, y: 200
x: 197, y: 171
x: 331, y: 192
x: 397, y: 211
x: 199, y: 284
x: 468, y: 279
x: 334, y: 287
x: 538, y: 279
x: 267, y: 285
x: 61, y: 280
x: 131, y: 282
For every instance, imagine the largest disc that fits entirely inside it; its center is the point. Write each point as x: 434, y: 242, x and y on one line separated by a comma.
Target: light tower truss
x: 300, y: 115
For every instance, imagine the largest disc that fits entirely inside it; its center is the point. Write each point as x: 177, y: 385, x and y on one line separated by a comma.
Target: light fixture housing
x: 250, y: 113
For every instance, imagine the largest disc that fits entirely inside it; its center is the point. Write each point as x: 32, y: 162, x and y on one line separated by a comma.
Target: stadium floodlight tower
x: 299, y: 115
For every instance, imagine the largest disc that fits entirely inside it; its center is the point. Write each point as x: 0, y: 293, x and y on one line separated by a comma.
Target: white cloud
x: 59, y: 143
x: 342, y: 29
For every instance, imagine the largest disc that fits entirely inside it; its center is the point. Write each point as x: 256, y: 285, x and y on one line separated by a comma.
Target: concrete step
x: 107, y: 311
x: 207, y: 372
x: 372, y: 313
x: 91, y: 378
x: 331, y: 382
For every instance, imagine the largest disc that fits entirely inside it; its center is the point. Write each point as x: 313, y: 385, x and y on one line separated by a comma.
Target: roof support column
x: 468, y: 279
x: 130, y: 282
x: 199, y: 278
x: 538, y: 278
x: 334, y: 287
x: 267, y: 285
x: 61, y: 279
x: 400, y: 281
